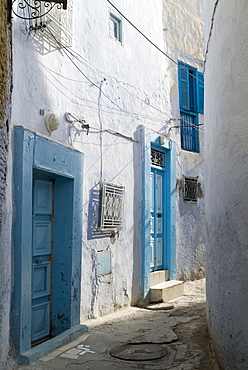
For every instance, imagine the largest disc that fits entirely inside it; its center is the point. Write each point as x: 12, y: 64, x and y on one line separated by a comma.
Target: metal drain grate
x: 139, y: 351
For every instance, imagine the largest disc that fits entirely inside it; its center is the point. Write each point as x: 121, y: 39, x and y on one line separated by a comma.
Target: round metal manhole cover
x: 139, y: 351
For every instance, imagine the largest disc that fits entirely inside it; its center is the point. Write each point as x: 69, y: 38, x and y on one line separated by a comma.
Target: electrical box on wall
x: 103, y: 261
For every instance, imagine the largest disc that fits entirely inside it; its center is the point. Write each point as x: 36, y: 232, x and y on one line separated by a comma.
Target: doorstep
x: 50, y: 345
x: 166, y: 291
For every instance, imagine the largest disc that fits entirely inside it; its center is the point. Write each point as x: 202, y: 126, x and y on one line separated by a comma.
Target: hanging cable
x: 67, y: 52
x: 94, y: 69
x: 210, y: 32
x: 152, y: 43
x: 161, y: 51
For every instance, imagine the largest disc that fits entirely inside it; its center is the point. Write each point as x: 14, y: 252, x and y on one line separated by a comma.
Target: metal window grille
x: 190, y: 189
x: 189, y: 133
x: 157, y: 158
x: 112, y: 206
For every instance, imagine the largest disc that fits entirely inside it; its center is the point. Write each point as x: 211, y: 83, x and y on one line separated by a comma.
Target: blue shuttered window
x: 200, y: 92
x: 184, y: 88
x: 191, y: 99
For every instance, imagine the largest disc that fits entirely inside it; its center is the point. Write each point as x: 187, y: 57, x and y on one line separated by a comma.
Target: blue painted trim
x: 151, y: 139
x: 184, y: 86
x: 145, y: 219
x: 47, y: 347
x: 34, y: 152
x: 200, y: 92
x: 172, y: 212
x: 156, y: 145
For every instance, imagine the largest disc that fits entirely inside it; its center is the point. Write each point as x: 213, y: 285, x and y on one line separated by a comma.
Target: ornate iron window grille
x: 190, y: 189
x: 34, y: 9
x: 112, y: 206
x: 157, y: 158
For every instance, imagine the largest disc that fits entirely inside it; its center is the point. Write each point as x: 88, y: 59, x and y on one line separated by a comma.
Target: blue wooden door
x: 157, y: 220
x: 41, y: 258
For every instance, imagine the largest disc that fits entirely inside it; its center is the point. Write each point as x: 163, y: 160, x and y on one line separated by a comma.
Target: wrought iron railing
x: 34, y: 9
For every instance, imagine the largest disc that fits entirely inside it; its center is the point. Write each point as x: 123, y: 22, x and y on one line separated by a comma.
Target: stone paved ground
x: 181, y: 331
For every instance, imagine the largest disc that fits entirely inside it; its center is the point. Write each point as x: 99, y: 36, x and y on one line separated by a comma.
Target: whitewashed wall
x: 133, y: 76
x: 184, y: 41
x: 226, y: 137
x: 141, y: 84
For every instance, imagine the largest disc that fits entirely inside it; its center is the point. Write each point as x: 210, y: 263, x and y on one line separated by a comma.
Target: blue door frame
x: 36, y: 155
x: 153, y: 140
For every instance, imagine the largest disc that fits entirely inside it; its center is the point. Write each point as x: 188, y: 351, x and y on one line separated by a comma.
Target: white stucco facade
x: 226, y: 136
x: 124, y: 92
x: 183, y: 35
x: 127, y: 73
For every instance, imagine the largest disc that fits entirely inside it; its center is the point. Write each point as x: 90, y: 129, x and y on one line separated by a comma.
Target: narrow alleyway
x: 173, y: 335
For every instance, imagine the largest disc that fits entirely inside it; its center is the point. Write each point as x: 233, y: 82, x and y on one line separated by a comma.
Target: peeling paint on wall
x: 5, y: 176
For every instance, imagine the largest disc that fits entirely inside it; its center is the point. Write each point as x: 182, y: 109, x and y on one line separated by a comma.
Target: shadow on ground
x: 181, y: 332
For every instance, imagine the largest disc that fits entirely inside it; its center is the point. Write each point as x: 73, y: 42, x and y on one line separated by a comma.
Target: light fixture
x: 52, y: 122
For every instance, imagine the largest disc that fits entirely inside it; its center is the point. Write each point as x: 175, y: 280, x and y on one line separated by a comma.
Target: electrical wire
x: 210, y: 31
x: 76, y: 119
x: 152, y: 43
x: 114, y: 80
x: 66, y: 51
x: 77, y: 56
x: 137, y: 115
x: 161, y: 51
x: 188, y: 124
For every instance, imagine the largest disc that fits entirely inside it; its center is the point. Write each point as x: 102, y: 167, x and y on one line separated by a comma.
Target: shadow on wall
x: 94, y: 209
x: 137, y: 197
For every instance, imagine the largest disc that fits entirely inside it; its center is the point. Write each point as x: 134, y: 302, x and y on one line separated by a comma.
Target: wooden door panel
x: 40, y: 321
x: 41, y: 280
x: 41, y: 237
x: 41, y: 273
x: 157, y: 219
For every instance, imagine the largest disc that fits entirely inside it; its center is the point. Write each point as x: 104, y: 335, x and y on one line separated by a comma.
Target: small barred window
x: 190, y: 189
x: 112, y: 206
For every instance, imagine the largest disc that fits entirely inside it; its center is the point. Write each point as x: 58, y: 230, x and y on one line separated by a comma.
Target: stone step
x: 164, y: 292
x: 157, y: 277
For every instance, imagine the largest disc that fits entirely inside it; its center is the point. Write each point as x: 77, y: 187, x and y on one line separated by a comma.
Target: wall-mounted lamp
x: 52, y: 122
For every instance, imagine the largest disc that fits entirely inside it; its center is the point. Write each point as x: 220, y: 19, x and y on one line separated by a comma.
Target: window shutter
x: 200, y: 92
x: 184, y: 88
